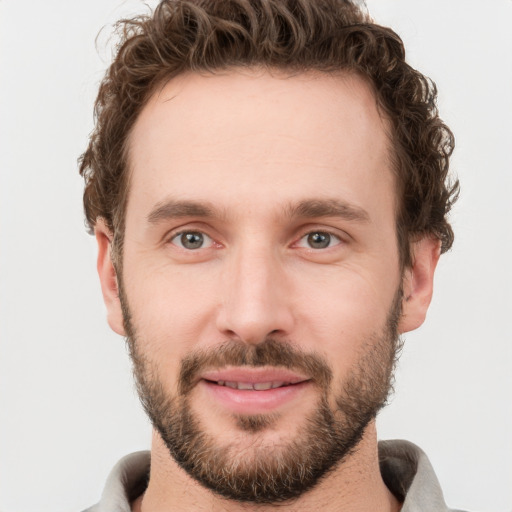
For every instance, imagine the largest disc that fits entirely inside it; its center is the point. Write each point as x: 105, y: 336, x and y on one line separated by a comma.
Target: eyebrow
x: 172, y: 209
x: 309, y: 208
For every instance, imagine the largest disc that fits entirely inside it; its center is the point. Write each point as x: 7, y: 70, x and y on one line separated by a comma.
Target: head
x: 268, y: 186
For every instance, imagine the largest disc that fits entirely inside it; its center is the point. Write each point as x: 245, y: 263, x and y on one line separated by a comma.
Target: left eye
x: 319, y: 240
x: 192, y: 240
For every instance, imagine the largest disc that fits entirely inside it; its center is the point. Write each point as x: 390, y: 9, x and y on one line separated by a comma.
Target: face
x: 260, y: 285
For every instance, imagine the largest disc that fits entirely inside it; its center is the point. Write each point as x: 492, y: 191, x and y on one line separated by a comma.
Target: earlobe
x: 108, y: 277
x: 418, y: 283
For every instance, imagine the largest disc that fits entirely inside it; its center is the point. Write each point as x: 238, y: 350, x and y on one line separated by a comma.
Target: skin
x: 251, y: 145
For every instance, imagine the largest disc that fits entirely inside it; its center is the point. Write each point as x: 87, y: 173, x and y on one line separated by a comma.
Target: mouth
x: 253, y: 390
x: 253, y: 379
x: 252, y: 386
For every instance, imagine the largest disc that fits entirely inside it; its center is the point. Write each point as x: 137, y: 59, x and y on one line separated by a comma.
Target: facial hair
x: 263, y: 474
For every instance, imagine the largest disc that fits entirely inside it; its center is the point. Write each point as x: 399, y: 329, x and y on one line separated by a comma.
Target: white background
x: 68, y: 410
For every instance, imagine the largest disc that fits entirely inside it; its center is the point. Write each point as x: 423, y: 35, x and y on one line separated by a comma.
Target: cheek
x: 170, y: 308
x: 345, y: 311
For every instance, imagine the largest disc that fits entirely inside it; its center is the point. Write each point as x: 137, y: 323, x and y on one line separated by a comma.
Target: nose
x: 256, y: 296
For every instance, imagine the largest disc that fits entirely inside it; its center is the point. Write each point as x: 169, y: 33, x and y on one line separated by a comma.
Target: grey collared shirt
x: 405, y: 469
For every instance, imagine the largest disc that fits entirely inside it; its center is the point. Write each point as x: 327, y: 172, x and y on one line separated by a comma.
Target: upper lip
x: 254, y: 375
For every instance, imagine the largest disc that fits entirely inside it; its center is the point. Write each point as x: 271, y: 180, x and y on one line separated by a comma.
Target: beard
x: 250, y: 468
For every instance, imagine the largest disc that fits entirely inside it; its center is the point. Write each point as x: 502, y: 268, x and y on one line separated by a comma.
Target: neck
x: 355, y: 485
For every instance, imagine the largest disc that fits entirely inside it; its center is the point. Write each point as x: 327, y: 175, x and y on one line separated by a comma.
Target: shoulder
x: 409, y: 475
x: 127, y: 480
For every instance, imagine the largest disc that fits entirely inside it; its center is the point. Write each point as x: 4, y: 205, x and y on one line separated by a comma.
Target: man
x: 267, y: 183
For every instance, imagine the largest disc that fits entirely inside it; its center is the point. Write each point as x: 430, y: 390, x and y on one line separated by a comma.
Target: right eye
x: 192, y: 240
x: 319, y: 240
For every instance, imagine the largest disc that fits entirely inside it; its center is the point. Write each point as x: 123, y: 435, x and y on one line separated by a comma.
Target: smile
x: 246, y: 390
x: 253, y: 386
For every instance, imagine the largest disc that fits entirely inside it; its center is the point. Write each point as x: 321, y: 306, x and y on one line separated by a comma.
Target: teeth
x: 245, y: 385
x: 259, y: 386
x: 262, y: 386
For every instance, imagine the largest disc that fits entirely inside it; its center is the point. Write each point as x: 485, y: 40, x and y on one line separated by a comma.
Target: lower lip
x: 243, y: 401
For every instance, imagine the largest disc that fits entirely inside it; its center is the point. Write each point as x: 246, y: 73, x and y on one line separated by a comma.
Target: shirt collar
x: 405, y: 469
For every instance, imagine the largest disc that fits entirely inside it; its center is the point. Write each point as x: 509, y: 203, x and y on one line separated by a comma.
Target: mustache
x: 270, y: 352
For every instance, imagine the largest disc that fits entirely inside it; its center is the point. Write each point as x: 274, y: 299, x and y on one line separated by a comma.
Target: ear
x: 108, y: 277
x: 418, y: 283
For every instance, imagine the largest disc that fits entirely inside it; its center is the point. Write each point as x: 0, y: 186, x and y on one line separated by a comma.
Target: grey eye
x: 319, y: 240
x: 191, y: 240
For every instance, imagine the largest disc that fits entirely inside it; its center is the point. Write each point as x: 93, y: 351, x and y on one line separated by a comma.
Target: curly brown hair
x: 291, y: 35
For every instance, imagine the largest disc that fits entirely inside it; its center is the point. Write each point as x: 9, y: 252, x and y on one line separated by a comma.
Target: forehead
x: 241, y: 132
